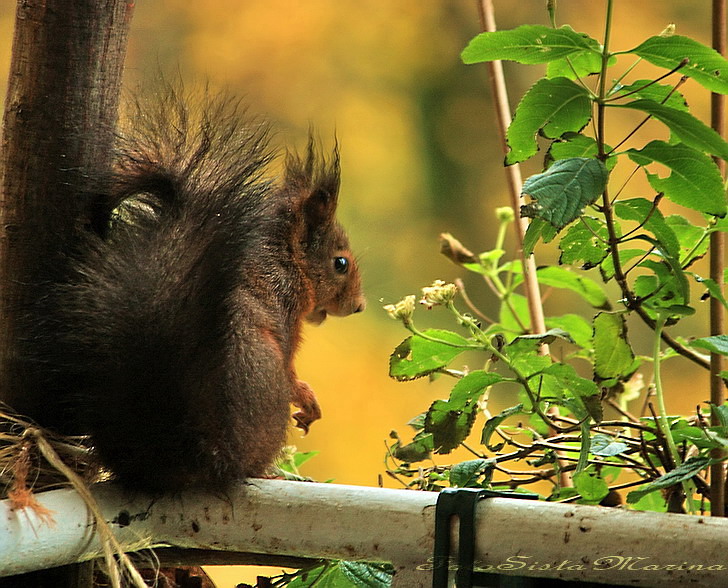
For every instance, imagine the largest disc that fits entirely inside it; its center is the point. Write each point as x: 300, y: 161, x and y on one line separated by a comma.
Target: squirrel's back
x: 171, y: 341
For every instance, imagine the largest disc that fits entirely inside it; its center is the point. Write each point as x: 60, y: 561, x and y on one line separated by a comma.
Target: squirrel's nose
x: 362, y: 305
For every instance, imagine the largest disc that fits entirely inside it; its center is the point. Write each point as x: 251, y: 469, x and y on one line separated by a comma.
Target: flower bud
x: 505, y: 214
x: 437, y: 294
x: 403, y: 310
x: 455, y: 251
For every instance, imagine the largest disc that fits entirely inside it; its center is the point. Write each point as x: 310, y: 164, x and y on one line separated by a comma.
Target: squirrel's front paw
x: 305, y: 399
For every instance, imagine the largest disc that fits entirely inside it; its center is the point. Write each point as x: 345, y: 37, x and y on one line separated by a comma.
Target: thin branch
x: 718, y: 485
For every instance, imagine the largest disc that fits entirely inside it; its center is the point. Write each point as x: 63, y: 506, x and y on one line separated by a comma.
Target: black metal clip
x: 461, y: 502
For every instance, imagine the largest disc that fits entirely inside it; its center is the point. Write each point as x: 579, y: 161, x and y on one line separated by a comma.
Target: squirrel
x: 171, y: 338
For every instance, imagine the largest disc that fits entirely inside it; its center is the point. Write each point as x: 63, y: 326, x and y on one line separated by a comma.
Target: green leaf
x: 578, y: 145
x: 449, y: 426
x: 466, y: 473
x: 579, y: 65
x: 552, y: 107
x: 367, y: 575
x: 564, y: 189
x: 577, y: 326
x: 507, y: 319
x: 548, y: 337
x: 524, y: 357
x: 694, y: 435
x: 685, y: 471
x: 606, y: 446
x: 416, y: 356
x: 653, y: 502
x: 537, y: 229
x: 667, y: 288
x: 690, y: 237
x: 493, y: 422
x: 716, y: 344
x: 643, y: 212
x: 471, y: 386
x: 591, y: 487
x: 686, y: 127
x: 705, y: 65
x: 721, y: 413
x: 588, y: 289
x: 713, y: 288
x: 607, y: 266
x: 418, y: 449
x: 528, y: 44
x: 345, y: 574
x: 570, y: 382
x: 586, y: 241
x: 694, y: 182
x: 613, y: 356
x: 661, y: 93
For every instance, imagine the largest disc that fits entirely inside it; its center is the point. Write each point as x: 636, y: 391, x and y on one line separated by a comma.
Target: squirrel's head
x: 327, y: 260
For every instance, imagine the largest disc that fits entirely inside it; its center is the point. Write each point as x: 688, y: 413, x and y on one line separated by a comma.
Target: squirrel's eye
x: 341, y: 265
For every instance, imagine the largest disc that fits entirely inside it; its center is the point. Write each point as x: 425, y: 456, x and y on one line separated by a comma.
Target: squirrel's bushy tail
x: 159, y: 342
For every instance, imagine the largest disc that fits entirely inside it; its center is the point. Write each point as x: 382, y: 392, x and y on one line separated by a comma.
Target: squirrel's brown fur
x: 172, y: 339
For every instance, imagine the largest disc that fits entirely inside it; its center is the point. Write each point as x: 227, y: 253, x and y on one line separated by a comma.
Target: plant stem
x: 717, y: 256
x: 662, y: 420
x: 513, y: 174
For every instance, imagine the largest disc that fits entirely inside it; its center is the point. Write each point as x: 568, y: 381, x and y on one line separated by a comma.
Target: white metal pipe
x: 521, y: 537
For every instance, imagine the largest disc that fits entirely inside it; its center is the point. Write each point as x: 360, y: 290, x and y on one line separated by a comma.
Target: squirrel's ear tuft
x: 315, y: 183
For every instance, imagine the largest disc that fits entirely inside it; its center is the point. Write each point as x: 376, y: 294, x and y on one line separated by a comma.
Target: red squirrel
x: 171, y: 340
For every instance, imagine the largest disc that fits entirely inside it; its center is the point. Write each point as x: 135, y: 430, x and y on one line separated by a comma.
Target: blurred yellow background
x: 419, y: 156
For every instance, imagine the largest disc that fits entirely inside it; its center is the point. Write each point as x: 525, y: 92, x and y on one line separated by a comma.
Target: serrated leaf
x: 471, y: 386
x: 367, y: 575
x: 685, y: 471
x: 643, y: 212
x: 418, y: 449
x: 613, y: 356
x: 586, y: 241
x: 606, y: 446
x: 416, y: 356
x: 495, y: 421
x: 564, y: 189
x: 591, y: 487
x: 716, y: 344
x: 694, y: 182
x: 577, y: 326
x: 466, y: 473
x: 588, y: 289
x: 686, y: 127
x: 705, y: 65
x: 449, y: 426
x: 537, y: 229
x: 553, y: 107
x: 528, y: 44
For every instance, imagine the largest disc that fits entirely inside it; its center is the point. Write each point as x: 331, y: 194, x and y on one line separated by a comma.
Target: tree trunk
x: 60, y: 113
x: 58, y: 128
